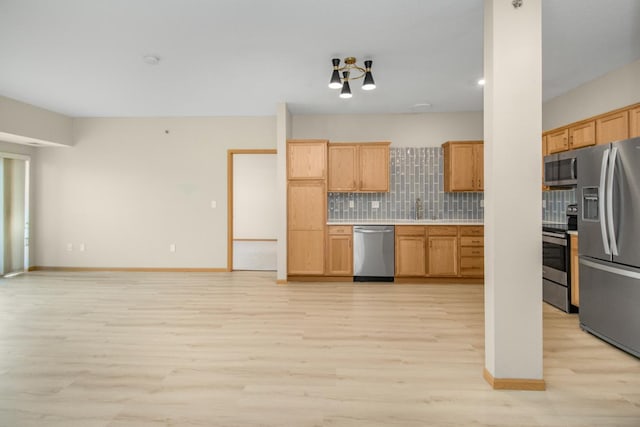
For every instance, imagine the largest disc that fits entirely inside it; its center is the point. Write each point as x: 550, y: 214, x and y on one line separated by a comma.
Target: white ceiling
x: 241, y: 57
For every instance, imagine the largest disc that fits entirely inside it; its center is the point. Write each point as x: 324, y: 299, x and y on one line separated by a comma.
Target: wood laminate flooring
x: 234, y: 349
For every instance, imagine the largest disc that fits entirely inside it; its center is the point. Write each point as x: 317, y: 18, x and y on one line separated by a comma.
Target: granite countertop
x: 405, y: 222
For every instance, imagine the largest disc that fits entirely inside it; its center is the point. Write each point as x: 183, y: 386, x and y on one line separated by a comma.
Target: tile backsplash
x: 415, y: 172
x: 555, y: 204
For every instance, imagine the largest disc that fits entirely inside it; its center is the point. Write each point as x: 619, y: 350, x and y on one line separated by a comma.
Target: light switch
x: 82, y: 247
x: 172, y: 247
x: 351, y: 204
x: 213, y: 204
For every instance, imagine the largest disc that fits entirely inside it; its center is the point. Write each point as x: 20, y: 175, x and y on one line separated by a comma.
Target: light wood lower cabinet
x: 471, y: 251
x: 443, y: 256
x: 306, y: 252
x: 339, y: 251
x: 575, y: 278
x: 410, y: 256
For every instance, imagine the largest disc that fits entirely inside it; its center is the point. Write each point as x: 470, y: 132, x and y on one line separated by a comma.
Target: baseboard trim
x: 130, y: 269
x: 513, y: 383
x: 281, y: 282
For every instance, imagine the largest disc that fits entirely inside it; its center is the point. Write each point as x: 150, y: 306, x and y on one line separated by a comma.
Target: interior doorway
x: 14, y: 208
x: 252, y: 210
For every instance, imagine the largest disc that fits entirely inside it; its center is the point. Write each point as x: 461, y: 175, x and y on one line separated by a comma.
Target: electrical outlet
x: 375, y: 204
x: 482, y: 203
x: 213, y: 204
x: 172, y: 247
x: 352, y: 204
x: 544, y: 204
x: 82, y: 247
x: 69, y: 247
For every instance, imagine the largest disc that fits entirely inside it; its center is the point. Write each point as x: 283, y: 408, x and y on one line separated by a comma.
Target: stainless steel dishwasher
x: 373, y: 253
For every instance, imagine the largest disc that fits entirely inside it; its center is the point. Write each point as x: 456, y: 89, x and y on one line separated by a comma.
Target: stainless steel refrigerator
x: 609, y: 242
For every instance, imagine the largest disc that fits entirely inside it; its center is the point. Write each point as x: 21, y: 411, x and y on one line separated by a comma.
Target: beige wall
x: 616, y: 89
x: 403, y: 130
x: 24, y: 120
x: 127, y: 190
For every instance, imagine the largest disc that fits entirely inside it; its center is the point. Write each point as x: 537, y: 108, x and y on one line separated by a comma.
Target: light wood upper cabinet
x: 306, y: 159
x: 575, y: 278
x: 374, y: 167
x: 361, y: 167
x: 343, y: 167
x: 612, y: 127
x: 582, y: 135
x: 544, y: 153
x: 634, y: 122
x: 558, y: 141
x: 306, y: 205
x: 339, y: 251
x: 463, y: 166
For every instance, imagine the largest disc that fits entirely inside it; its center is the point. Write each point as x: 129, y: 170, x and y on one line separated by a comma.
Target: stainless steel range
x: 556, y: 264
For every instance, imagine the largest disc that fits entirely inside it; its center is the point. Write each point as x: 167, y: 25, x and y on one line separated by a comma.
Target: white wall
x: 18, y: 119
x: 616, y: 89
x: 127, y: 190
x: 255, y: 209
x: 403, y: 130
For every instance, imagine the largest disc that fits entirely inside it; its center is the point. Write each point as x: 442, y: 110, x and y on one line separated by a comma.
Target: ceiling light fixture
x: 350, y: 71
x: 151, y: 59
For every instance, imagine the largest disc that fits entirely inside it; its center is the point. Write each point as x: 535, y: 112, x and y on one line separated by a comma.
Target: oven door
x: 554, y: 257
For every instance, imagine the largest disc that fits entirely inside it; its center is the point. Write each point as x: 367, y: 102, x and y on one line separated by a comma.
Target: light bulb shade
x: 368, y: 83
x: 335, y: 82
x: 346, y: 90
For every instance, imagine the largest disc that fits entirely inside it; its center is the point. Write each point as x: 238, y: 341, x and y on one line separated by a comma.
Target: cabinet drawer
x: 471, y: 266
x: 409, y: 230
x: 471, y: 241
x: 472, y: 251
x: 443, y: 230
x: 340, y: 229
x: 471, y: 230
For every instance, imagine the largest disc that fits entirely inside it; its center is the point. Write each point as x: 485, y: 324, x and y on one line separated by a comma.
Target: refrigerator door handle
x: 610, y: 224
x: 603, y: 225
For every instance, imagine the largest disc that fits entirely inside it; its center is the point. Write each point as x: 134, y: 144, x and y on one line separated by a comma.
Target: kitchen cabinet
x: 306, y: 207
x: 634, y: 122
x: 306, y: 159
x: 410, y: 251
x: 471, y: 251
x: 544, y: 153
x: 557, y: 141
x: 575, y: 278
x: 582, y: 134
x: 361, y: 167
x: 442, y: 251
x: 463, y: 166
x: 339, y: 254
x: 612, y: 127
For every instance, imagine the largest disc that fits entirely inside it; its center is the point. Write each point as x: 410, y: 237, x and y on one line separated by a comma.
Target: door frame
x: 230, y: 154
x: 27, y: 196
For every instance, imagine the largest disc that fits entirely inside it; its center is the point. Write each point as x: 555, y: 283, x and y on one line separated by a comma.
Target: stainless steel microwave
x: 561, y: 169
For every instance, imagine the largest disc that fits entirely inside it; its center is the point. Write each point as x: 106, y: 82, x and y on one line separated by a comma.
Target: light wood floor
x: 217, y: 349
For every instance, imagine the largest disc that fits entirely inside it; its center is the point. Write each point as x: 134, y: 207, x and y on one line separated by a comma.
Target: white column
x: 283, y: 132
x: 512, y: 155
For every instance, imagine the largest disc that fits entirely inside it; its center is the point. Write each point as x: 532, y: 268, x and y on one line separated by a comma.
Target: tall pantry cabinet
x: 306, y: 206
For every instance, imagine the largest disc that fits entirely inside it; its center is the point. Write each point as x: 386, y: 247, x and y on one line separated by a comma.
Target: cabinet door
x: 558, y: 141
x: 575, y: 279
x: 582, y: 135
x: 410, y: 256
x: 479, y: 166
x: 305, y: 252
x: 374, y: 168
x: 306, y: 205
x: 460, y: 171
x: 634, y: 122
x: 306, y: 159
x: 443, y: 256
x: 340, y: 255
x: 544, y: 153
x: 343, y: 167
x: 612, y: 127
